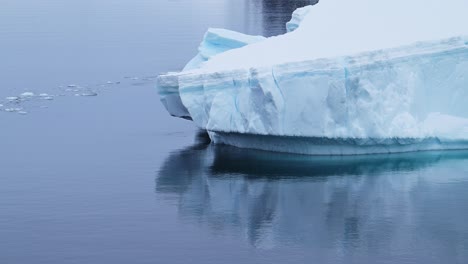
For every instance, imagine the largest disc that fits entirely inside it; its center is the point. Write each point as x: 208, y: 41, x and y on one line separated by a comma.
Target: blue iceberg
x: 375, y: 85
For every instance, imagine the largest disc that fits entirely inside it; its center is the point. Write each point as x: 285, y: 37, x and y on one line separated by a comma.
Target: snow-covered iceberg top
x: 335, y: 28
x: 351, y: 77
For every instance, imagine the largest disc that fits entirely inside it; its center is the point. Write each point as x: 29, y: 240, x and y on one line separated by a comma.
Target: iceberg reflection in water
x: 396, y: 206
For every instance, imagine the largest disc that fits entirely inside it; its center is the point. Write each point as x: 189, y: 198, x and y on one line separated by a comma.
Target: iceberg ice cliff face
x: 306, y: 92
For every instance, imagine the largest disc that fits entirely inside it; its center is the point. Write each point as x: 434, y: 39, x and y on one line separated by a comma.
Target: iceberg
x: 347, y: 78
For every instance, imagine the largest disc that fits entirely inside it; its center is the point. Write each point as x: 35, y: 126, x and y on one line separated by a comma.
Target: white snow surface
x: 340, y: 27
x: 354, y: 77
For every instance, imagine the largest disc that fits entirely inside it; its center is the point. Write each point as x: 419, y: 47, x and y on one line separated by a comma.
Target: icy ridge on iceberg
x: 401, y: 99
x: 218, y: 40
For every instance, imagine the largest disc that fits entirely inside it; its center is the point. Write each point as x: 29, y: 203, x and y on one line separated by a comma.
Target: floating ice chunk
x: 22, y: 112
x: 14, y: 109
x: 1, y: 105
x: 89, y: 94
x: 45, y: 96
x: 348, y: 79
x: 72, y: 86
x: 27, y: 94
x: 12, y: 98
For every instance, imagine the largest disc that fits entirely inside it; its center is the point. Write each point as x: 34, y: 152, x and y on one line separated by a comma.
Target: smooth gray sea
x: 93, y: 169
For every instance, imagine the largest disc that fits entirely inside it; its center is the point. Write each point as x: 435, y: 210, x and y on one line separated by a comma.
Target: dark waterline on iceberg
x: 113, y: 179
x: 324, y: 146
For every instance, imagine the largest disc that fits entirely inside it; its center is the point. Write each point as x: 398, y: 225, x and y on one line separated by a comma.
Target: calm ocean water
x: 93, y: 170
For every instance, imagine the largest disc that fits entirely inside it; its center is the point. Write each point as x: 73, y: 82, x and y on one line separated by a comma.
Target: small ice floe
x: 89, y: 94
x: 43, y: 106
x: 45, y: 96
x: 72, y: 86
x: 13, y: 109
x: 27, y: 94
x: 1, y: 105
x: 12, y: 98
x: 22, y: 112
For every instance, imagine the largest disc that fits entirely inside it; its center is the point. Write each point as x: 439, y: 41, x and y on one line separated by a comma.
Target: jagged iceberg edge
x: 297, y: 18
x: 215, y: 41
x: 168, y: 88
x: 335, y: 146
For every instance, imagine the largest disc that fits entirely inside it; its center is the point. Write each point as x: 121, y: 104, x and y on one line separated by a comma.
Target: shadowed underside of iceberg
x: 361, y: 99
